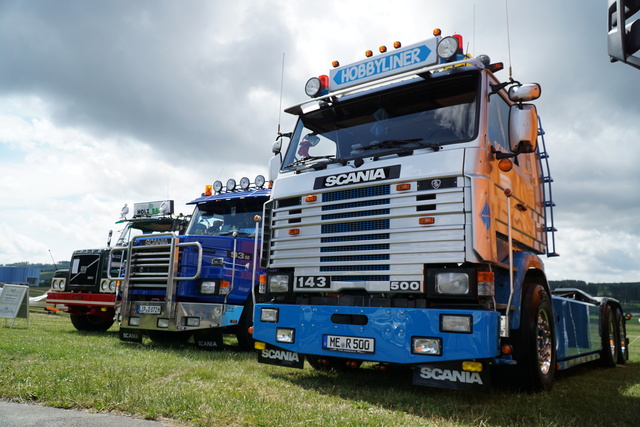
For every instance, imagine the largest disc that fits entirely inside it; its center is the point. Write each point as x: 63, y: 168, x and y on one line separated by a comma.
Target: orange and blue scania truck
x: 408, y: 219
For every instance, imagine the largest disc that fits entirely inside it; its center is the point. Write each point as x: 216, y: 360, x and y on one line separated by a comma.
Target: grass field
x: 50, y: 363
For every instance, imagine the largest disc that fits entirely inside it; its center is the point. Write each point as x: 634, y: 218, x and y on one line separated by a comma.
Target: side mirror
x: 523, y: 128
x: 525, y: 93
x: 276, y: 147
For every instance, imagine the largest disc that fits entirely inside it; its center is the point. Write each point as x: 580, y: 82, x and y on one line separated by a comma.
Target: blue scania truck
x: 199, y: 284
x: 407, y: 223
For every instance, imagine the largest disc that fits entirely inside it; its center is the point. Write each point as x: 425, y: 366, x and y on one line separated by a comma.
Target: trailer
x: 407, y: 223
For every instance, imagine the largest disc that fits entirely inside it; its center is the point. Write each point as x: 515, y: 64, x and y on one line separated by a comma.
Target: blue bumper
x: 391, y: 330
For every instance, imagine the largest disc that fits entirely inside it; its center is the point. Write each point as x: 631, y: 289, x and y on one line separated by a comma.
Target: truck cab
x: 407, y: 221
x: 86, y: 290
x: 199, y: 284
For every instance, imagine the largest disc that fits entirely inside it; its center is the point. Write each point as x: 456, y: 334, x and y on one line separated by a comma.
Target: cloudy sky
x: 110, y: 102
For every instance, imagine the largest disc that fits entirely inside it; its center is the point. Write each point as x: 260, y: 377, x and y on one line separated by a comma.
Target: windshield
x: 136, y: 228
x: 434, y: 112
x: 222, y: 218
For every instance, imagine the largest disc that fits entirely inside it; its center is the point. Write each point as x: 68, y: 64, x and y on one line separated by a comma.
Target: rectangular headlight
x: 278, y: 283
x: 163, y: 323
x: 192, y: 321
x: 427, y: 346
x: 455, y: 283
x: 456, y: 323
x: 285, y: 335
x: 208, y: 288
x: 134, y: 321
x: 269, y: 315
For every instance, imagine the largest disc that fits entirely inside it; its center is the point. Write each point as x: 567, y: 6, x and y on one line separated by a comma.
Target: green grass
x: 52, y: 364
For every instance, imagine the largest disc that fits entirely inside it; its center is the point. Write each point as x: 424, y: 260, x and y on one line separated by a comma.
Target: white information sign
x: 14, y: 303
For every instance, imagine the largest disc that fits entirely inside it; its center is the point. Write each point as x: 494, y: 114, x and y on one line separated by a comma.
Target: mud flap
x: 450, y: 375
x: 130, y: 335
x: 208, y: 340
x: 276, y: 356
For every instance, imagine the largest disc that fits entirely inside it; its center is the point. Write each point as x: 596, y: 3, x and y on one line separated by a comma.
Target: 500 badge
x: 404, y: 286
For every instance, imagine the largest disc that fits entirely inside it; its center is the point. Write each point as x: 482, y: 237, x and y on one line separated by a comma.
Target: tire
x: 609, y: 337
x: 623, y: 349
x: 535, y: 343
x: 245, y: 339
x: 91, y: 323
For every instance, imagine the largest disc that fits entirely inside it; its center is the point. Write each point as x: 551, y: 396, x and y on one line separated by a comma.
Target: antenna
x: 506, y: 9
x: 281, y: 88
x: 54, y: 261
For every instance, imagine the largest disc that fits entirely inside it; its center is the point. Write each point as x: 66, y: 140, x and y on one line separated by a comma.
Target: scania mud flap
x: 130, y: 335
x: 276, y: 356
x: 209, y: 340
x: 451, y: 375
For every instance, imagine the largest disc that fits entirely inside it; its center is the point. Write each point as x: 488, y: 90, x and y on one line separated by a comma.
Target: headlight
x: 427, y: 346
x: 208, y: 288
x: 163, y: 323
x: 269, y: 315
x: 104, y: 285
x: 112, y: 286
x: 134, y: 321
x: 452, y: 283
x: 285, y: 335
x: 279, y: 283
x: 447, y: 48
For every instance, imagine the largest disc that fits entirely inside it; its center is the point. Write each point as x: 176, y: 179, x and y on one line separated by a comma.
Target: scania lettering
x: 199, y: 284
x: 86, y: 291
x: 407, y: 223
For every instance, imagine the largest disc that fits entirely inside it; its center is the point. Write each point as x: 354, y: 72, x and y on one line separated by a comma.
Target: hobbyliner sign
x: 354, y: 177
x: 405, y: 59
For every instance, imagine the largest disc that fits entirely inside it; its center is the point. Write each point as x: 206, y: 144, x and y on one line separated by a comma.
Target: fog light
x: 258, y: 345
x: 471, y: 366
x: 426, y: 346
x: 193, y: 321
x: 163, y: 323
x: 134, y: 321
x: 269, y: 315
x: 285, y: 335
x: 459, y: 324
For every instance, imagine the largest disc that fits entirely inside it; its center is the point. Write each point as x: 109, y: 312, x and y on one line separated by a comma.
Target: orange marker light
x: 382, y: 49
x: 486, y: 276
x: 403, y: 187
x: 368, y: 53
x: 437, y: 32
x: 427, y: 220
x: 505, y: 165
x: 294, y: 232
x: 208, y: 190
x: 397, y: 44
x: 311, y: 198
x: 335, y: 64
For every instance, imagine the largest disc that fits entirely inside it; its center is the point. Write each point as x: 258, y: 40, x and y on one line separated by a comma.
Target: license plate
x: 348, y: 344
x: 149, y: 309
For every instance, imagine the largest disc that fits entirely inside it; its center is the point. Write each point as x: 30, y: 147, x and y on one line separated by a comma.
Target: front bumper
x: 392, y: 330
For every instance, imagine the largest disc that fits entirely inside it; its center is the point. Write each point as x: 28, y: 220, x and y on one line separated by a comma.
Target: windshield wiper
x: 389, y: 143
x: 307, y: 159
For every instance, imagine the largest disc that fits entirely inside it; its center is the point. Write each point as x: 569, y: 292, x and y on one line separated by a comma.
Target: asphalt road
x: 24, y: 415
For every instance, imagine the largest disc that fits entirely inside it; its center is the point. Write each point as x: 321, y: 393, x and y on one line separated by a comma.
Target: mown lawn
x: 51, y: 363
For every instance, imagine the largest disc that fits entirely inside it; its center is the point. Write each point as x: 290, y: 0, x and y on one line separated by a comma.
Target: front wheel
x: 623, y: 350
x: 90, y: 322
x: 535, y: 341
